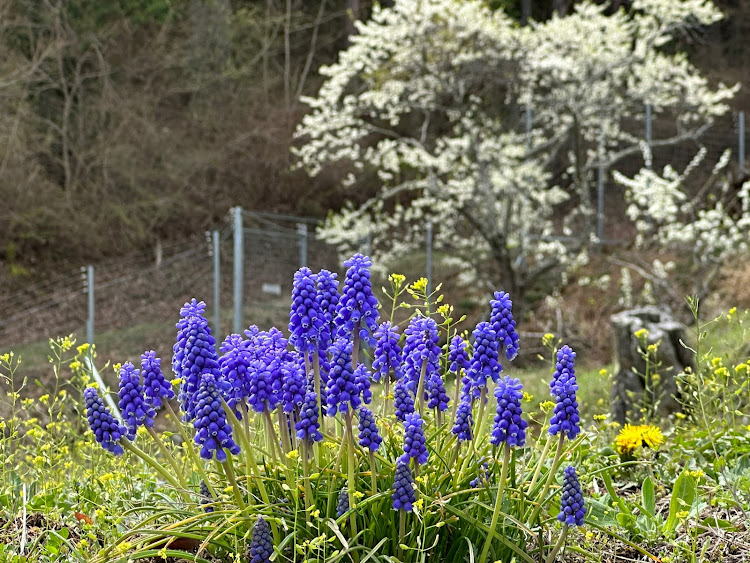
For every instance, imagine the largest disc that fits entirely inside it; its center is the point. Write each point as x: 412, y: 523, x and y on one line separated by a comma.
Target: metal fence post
x: 88, y: 288
x: 238, y: 270
x: 600, y: 197
x: 302, y: 232
x: 429, y: 256
x: 741, y: 148
x: 648, y: 127
x: 217, y: 282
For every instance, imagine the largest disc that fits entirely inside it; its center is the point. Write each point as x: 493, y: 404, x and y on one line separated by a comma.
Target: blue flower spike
x: 563, y: 386
x: 155, y: 387
x: 403, y: 495
x: 213, y: 432
x: 414, y: 440
x: 357, y: 309
x: 509, y: 427
x: 107, y: 430
x: 135, y: 410
x: 261, y: 544
x: 572, y: 507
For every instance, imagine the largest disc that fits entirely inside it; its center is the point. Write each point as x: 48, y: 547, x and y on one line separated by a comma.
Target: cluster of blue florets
x: 261, y: 373
x: 387, y: 357
x: 563, y: 386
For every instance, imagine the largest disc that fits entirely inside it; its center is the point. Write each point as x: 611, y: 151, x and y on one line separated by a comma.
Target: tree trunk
x: 525, y: 11
x: 634, y: 391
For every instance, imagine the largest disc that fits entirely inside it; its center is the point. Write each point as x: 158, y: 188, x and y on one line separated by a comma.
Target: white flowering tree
x: 429, y: 101
x: 712, y: 222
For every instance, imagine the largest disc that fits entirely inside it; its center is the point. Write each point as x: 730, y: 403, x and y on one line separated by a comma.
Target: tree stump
x: 629, y: 390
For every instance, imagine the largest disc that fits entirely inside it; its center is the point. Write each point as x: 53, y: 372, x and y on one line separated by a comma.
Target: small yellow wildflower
x: 603, y: 372
x: 527, y: 397
x: 697, y: 473
x: 176, y: 382
x: 5, y: 357
x: 546, y: 406
x: 116, y: 367
x: 547, y: 339
x: 293, y: 455
x: 600, y: 417
x: 641, y: 334
x: 397, y: 279
x: 419, y: 286
x: 83, y: 348
x: 75, y: 365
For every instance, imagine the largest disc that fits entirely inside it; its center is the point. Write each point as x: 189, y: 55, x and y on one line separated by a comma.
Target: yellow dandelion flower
x: 628, y: 440
x: 632, y: 437
x: 652, y: 436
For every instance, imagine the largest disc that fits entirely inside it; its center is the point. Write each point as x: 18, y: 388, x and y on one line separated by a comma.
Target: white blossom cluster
x: 429, y: 99
x: 665, y: 214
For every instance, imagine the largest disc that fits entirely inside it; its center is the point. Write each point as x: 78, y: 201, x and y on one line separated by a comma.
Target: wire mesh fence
x: 247, y: 279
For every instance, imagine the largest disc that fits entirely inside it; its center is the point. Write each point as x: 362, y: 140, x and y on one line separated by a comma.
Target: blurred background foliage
x: 123, y: 123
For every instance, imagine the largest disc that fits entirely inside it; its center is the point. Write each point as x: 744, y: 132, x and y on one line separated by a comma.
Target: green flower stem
x: 373, y: 475
x: 439, y: 417
x: 420, y: 387
x: 188, y: 445
x: 274, y: 438
x: 227, y: 464
x: 169, y: 457
x: 558, y: 545
x: 284, y: 430
x: 157, y: 466
x: 401, y: 532
x: 352, y: 481
x: 550, y: 477
x: 355, y: 348
x: 387, y: 390
x: 454, y: 457
x: 243, y: 433
x: 480, y: 417
x: 306, y: 475
x: 540, y: 463
x: 498, y: 504
x: 318, y: 398
x: 456, y: 394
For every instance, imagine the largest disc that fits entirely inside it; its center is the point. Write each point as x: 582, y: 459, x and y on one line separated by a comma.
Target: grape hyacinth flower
x: 362, y: 377
x: 414, y: 440
x: 327, y: 298
x: 206, y: 498
x: 403, y: 488
x: 484, y: 360
x: 198, y: 357
x: 421, y: 346
x: 261, y: 395
x: 403, y: 400
x: 369, y: 435
x: 462, y: 427
x: 387, y: 356
x: 437, y: 398
x: 482, y: 478
x: 357, y: 309
x: 306, y: 323
x: 293, y: 382
x: 105, y: 427
x: 501, y: 319
x: 343, y: 389
x: 190, y: 309
x: 342, y: 505
x: 572, y: 508
x: 135, y: 410
x: 261, y: 545
x: 155, y: 387
x: 235, y: 367
x: 458, y: 357
x: 213, y: 432
x: 563, y: 386
x: 308, y: 425
x: 509, y: 427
